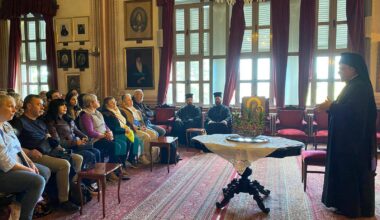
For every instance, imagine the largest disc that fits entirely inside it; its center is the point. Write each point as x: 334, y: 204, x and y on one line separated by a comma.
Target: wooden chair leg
x: 302, y: 170
x: 104, y: 195
x: 305, y: 177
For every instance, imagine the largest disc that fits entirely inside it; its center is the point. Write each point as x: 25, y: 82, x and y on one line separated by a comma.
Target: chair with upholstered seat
x: 290, y: 124
x: 164, y: 118
x: 311, y: 158
x: 320, y: 128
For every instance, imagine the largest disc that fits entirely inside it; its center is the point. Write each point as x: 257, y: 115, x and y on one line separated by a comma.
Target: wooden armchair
x: 164, y: 118
x: 290, y: 124
x: 320, y: 128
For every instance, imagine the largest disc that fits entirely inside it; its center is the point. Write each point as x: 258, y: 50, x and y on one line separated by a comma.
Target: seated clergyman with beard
x: 189, y: 116
x: 218, y: 120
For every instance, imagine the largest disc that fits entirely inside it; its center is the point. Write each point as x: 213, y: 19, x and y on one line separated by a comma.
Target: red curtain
x: 306, y: 48
x: 280, y: 41
x: 50, y: 53
x: 14, y: 52
x: 234, y: 47
x: 167, y: 50
x: 355, y: 22
x: 13, y: 9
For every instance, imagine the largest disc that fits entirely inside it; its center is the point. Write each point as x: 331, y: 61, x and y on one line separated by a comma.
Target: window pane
x: 264, y: 13
x: 219, y: 36
x: 33, y: 89
x: 245, y: 90
x: 44, y: 74
x: 22, y: 30
x: 23, y: 73
x: 23, y: 53
x: 33, y: 74
x: 42, y: 28
x: 194, y: 43
x: 180, y: 92
x: 323, y: 36
x: 264, y: 40
x: 206, y: 44
x: 322, y: 67
x: 180, y: 44
x: 323, y: 10
x: 32, y: 50
x: 206, y: 69
x: 248, y: 15
x: 206, y: 17
x: 341, y: 10
x: 341, y: 36
x: 194, y: 70
x: 180, y: 71
x: 169, y: 95
x: 291, y: 82
x: 180, y: 19
x: 218, y: 75
x: 263, y: 68
x: 44, y: 87
x: 194, y: 18
x: 263, y: 89
x: 206, y: 93
x: 338, y: 86
x: 194, y: 88
x: 321, y: 92
x: 25, y: 91
x: 336, y: 67
x: 246, y: 45
x: 245, y: 69
x: 31, y: 30
x: 294, y: 25
x: 43, y: 50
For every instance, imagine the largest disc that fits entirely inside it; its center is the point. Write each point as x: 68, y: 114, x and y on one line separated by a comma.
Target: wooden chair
x: 320, y: 128
x: 165, y: 118
x: 311, y: 158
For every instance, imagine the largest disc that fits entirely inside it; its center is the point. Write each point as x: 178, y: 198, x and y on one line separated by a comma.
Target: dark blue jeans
x: 28, y: 184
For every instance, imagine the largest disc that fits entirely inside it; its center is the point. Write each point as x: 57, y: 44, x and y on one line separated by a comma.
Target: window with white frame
x: 34, y: 73
x: 255, y: 60
x: 332, y: 40
x: 191, y: 60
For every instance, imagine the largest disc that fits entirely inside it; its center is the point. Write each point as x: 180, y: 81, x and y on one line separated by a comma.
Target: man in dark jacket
x: 351, y: 149
x: 218, y: 120
x: 189, y: 116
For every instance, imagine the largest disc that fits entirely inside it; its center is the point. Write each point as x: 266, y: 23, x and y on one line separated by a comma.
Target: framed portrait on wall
x: 81, y: 59
x: 138, y: 20
x: 64, y: 59
x: 81, y: 29
x: 73, y: 81
x: 63, y: 30
x: 139, y: 68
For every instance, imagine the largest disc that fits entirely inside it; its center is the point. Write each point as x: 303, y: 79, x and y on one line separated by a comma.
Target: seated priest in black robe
x: 351, y: 148
x: 218, y: 119
x: 189, y: 116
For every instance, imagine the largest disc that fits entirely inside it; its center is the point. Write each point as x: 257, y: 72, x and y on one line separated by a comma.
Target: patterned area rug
x: 193, y: 186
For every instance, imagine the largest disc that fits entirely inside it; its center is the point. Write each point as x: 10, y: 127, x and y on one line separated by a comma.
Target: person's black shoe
x: 178, y: 157
x: 69, y: 206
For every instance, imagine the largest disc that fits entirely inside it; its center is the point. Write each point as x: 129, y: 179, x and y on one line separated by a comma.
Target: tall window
x: 255, y: 60
x: 34, y: 74
x: 332, y: 40
x: 191, y: 60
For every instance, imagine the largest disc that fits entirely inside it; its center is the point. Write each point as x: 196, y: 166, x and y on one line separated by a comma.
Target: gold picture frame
x: 63, y: 30
x: 138, y: 20
x: 81, y: 28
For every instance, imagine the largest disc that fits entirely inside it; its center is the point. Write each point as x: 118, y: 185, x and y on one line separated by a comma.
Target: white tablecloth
x: 241, y: 155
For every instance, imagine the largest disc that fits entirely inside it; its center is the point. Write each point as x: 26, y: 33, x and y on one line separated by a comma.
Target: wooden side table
x: 189, y: 131
x: 161, y: 142
x: 99, y: 174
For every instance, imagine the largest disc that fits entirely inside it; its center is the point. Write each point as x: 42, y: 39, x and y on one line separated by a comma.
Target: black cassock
x: 189, y: 116
x: 218, y: 113
x: 351, y: 151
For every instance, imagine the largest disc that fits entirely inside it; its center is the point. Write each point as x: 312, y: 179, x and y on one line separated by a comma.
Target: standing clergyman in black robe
x: 218, y: 120
x: 351, y: 149
x: 188, y: 116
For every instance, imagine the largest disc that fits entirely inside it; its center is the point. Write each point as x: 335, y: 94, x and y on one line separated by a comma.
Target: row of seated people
x: 44, y: 138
